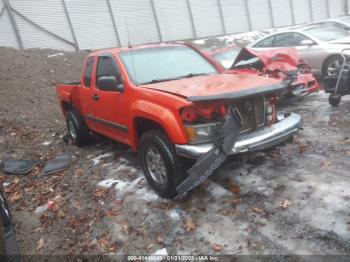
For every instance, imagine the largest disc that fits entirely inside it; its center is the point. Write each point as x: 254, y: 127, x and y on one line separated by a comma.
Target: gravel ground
x: 292, y: 200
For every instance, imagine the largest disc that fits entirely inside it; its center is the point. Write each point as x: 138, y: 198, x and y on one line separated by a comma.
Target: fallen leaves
x: 285, y: 204
x: 40, y: 244
x: 190, y: 225
x: 13, y: 198
x: 160, y: 240
x: 233, y: 188
x: 223, y: 211
x: 303, y: 146
x: 259, y: 210
x: 101, y: 193
x: 105, y: 242
x: 217, y: 248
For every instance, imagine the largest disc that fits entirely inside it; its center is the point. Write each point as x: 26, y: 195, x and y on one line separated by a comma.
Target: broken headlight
x: 200, y: 133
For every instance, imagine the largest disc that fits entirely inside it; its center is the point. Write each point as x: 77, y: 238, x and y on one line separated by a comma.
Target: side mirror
x: 109, y: 83
x: 307, y: 42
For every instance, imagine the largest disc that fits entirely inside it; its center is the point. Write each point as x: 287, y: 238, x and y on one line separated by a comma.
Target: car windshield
x: 227, y: 57
x: 327, y: 33
x: 153, y: 65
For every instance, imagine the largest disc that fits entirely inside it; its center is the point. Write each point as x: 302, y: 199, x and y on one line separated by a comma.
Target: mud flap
x: 225, y: 139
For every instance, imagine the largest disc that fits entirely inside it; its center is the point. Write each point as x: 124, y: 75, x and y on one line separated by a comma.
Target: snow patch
x: 98, y: 159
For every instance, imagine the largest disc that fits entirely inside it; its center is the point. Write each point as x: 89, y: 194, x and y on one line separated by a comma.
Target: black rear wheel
x: 77, y: 128
x: 163, y: 169
x: 334, y: 100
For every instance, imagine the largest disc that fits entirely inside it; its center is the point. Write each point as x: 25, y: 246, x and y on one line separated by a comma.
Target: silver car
x: 319, y: 45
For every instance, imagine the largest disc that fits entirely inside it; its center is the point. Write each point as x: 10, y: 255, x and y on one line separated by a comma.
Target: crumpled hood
x: 219, y: 87
x: 281, y: 59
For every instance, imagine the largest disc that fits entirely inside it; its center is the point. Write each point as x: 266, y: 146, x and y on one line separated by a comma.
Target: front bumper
x: 287, y: 126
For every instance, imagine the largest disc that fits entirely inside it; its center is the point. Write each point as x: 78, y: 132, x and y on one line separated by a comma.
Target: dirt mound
x: 27, y: 82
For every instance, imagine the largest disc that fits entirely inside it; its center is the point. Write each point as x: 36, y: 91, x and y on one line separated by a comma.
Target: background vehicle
x: 8, y: 244
x: 168, y: 102
x: 279, y: 63
x: 340, y: 85
x: 225, y: 55
x: 342, y: 22
x: 319, y: 45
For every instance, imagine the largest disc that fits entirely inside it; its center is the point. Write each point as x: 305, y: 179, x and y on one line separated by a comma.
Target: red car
x: 172, y: 103
x: 283, y: 64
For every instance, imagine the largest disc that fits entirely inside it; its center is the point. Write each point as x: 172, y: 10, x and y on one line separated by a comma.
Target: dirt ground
x: 292, y: 200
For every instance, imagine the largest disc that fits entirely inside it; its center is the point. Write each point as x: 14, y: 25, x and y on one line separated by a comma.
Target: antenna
x: 130, y: 46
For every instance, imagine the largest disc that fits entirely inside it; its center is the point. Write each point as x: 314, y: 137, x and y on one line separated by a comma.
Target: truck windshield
x: 153, y: 65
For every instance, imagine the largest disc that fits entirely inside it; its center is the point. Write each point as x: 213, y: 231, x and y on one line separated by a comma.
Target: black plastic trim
x: 239, y: 94
x: 108, y: 123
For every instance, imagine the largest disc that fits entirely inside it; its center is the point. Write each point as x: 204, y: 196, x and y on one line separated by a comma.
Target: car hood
x: 219, y: 87
x: 282, y: 59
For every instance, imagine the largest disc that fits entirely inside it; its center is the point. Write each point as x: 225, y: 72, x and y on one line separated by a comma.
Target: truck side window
x: 107, y: 67
x: 88, y: 71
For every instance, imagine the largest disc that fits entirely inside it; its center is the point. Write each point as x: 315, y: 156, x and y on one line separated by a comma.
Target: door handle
x: 96, y: 97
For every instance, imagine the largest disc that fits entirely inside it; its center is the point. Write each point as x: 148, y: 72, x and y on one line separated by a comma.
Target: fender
x: 167, y: 118
x: 65, y: 96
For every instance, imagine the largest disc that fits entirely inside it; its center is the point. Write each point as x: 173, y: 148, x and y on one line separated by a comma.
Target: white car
x: 318, y: 45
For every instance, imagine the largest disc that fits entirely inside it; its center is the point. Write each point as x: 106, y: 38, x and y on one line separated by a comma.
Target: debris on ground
x: 18, y: 167
x: 285, y: 204
x: 190, y: 225
x: 58, y: 164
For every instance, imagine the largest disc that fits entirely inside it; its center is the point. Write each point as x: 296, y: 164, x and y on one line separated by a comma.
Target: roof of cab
x: 138, y: 47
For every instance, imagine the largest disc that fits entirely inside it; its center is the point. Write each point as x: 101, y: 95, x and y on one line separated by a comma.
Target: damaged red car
x: 283, y: 64
x: 176, y: 108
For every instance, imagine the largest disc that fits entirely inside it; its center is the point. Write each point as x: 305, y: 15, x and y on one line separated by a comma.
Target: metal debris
x: 226, y: 137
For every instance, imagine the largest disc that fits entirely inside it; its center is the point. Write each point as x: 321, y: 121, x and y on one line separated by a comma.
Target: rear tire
x: 163, y: 169
x: 78, y: 131
x: 334, y: 100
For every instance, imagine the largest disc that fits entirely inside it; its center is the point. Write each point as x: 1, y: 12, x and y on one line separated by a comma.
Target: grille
x: 252, y: 111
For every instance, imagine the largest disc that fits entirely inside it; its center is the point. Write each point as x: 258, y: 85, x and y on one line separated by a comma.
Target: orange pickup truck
x: 171, y: 103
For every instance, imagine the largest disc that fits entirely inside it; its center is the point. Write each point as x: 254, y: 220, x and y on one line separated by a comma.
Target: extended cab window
x: 88, y: 71
x: 107, y: 67
x: 158, y: 64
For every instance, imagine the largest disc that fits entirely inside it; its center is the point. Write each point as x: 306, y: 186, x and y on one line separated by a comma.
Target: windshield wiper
x: 193, y: 75
x: 154, y: 81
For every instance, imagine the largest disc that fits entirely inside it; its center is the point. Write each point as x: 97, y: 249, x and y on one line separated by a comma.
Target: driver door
x: 110, y: 109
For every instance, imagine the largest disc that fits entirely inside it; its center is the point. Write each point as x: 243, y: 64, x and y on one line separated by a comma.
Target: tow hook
x: 226, y: 135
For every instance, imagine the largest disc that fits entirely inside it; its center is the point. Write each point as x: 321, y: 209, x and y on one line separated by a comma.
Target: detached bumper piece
x: 226, y: 137
x: 261, y: 139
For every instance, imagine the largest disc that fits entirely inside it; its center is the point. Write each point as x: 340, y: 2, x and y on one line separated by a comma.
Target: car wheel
x: 9, y: 251
x: 77, y: 128
x: 334, y: 100
x: 332, y: 66
x: 162, y: 168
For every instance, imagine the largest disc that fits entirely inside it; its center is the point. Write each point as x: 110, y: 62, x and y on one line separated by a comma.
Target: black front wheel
x: 334, y: 100
x: 163, y: 169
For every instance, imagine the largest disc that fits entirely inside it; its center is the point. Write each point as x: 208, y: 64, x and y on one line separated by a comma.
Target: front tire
x: 334, y: 100
x: 77, y: 128
x: 162, y: 168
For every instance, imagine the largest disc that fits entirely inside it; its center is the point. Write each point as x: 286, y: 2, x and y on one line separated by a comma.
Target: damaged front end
x: 219, y: 130
x: 283, y: 64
